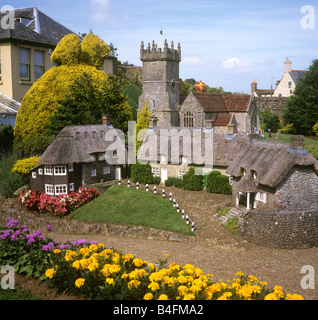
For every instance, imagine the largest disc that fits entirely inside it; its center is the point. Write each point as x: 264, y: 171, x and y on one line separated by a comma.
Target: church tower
x: 160, y: 82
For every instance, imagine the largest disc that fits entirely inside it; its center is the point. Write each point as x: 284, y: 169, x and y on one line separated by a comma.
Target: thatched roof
x: 270, y: 161
x: 79, y: 144
x: 224, y: 148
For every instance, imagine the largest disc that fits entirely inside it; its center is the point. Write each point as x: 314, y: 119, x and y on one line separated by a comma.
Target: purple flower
x: 94, y: 242
x: 31, y: 240
x: 39, y: 232
x: 30, y: 221
x: 64, y: 246
x: 25, y: 230
x: 49, y: 227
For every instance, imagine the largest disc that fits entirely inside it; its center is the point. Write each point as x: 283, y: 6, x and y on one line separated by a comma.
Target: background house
x: 77, y: 157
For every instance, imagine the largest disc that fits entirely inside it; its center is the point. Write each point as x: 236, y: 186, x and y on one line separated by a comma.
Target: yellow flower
x: 271, y: 296
x: 148, y: 296
x: 79, y: 282
x: 93, y: 247
x: 101, y: 245
x: 189, y: 296
x: 167, y: 255
x: 93, y: 266
x: 50, y: 273
x: 138, y: 262
x: 174, y: 266
x: 294, y: 297
x: 133, y: 284
x: 239, y: 274
x: 252, y: 278
x: 76, y: 264
x: 127, y: 257
x: 56, y: 251
x: 69, y: 255
x: 225, y: 296
x: 110, y: 281
x: 124, y: 275
x: 183, y: 290
x: 163, y: 297
x: 152, y: 266
x: 278, y: 290
x: 154, y: 286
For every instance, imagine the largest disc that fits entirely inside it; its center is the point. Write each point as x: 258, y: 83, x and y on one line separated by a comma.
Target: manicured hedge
x: 218, y: 183
x: 192, y: 181
x: 142, y: 173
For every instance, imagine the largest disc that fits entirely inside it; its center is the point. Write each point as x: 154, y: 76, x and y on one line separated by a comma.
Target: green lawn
x: 128, y: 206
x: 285, y: 138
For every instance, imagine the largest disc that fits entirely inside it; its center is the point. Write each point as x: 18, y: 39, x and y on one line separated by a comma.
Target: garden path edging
x: 11, y: 208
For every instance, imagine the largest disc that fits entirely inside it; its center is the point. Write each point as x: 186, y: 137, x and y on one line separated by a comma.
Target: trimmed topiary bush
x: 142, y: 173
x: 192, y: 181
x: 218, y: 183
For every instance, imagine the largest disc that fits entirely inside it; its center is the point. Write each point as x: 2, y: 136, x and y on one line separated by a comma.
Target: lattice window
x: 188, y: 119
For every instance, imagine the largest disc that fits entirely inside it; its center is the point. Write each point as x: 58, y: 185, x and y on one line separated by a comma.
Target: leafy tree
x: 315, y: 129
x: 133, y: 93
x: 6, y: 138
x: 94, y: 50
x: 142, y: 121
x: 269, y: 120
x: 302, y: 106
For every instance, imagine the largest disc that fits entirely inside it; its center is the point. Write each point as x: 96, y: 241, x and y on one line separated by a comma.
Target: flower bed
x: 58, y: 206
x: 92, y: 271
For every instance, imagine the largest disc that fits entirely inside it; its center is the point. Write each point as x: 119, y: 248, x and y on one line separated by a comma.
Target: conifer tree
x: 142, y: 121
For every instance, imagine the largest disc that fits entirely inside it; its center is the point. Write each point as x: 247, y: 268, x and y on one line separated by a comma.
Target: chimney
x: 254, y: 86
x: 297, y: 142
x: 107, y: 120
x: 287, y: 66
x: 208, y: 124
x: 153, y: 122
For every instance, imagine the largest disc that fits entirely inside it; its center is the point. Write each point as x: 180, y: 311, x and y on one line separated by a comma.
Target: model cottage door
x: 118, y: 173
x: 164, y: 175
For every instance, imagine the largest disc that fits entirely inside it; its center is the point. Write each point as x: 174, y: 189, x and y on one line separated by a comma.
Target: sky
x: 225, y: 43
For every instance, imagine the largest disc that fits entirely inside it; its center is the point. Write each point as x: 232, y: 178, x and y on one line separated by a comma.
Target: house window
x: 60, y: 189
x: 93, y: 173
x: 70, y: 168
x: 289, y: 84
x: 24, y: 64
x: 40, y: 171
x: 181, y: 174
x: 49, y: 189
x: 72, y: 188
x: 254, y: 175
x: 60, y: 171
x: 38, y: 63
x: 155, y: 171
x: 184, y: 160
x: 48, y: 171
x: 188, y: 119
x: 106, y: 170
x: 34, y: 175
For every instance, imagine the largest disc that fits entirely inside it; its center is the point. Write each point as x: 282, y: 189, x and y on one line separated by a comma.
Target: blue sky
x: 225, y: 43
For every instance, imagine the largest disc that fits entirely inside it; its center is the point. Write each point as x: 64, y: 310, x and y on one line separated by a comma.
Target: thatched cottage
x: 171, y: 151
x: 278, y: 183
x: 79, y: 156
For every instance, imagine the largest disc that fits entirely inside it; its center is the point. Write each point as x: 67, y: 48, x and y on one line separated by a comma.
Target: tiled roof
x: 221, y: 102
x: 297, y: 75
x: 41, y: 28
x: 222, y: 119
x: 8, y: 105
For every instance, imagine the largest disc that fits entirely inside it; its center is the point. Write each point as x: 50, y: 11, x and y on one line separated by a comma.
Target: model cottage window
x: 60, y: 189
x: 188, y: 119
x: 155, y: 172
x: 48, y: 171
x: 70, y: 168
x: 49, y: 189
x: 60, y: 170
x: 261, y: 196
x: 24, y: 64
x: 93, y: 173
x: 72, y: 187
x: 106, y: 170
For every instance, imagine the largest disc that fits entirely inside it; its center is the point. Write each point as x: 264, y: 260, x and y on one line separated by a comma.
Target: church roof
x: 223, y: 102
x: 8, y: 105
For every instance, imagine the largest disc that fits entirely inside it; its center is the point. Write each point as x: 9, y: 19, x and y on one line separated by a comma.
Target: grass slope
x: 123, y: 205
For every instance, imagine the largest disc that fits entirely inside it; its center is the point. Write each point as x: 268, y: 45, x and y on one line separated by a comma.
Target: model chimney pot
x: 297, y: 142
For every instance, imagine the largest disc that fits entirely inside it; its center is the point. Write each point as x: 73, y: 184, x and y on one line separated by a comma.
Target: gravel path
x: 218, y: 251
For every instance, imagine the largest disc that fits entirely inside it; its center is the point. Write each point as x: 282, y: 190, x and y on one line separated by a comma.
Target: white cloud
x: 236, y: 65
x: 101, y: 12
x: 192, y: 61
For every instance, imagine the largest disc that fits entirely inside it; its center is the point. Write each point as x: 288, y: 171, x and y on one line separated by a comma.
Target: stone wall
x: 275, y: 104
x: 292, y: 230
x: 10, y: 208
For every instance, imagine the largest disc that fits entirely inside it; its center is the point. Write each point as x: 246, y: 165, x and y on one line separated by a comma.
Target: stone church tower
x: 160, y: 80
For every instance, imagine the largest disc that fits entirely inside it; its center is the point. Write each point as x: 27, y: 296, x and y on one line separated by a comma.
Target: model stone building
x: 161, y: 88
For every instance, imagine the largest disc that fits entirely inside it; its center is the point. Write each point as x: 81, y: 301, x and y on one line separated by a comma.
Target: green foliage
x: 192, y: 181
x: 218, y: 183
x: 142, y: 173
x: 302, y: 107
x: 9, y: 181
x: 288, y: 129
x: 133, y: 93
x: 94, y: 50
x: 269, y: 121
x: 142, y: 123
x: 25, y: 165
x: 315, y: 129
x: 313, y: 149
x: 174, y: 182
x: 231, y: 224
x: 6, y: 137
x: 68, y: 51
x: 40, y: 102
x: 33, y: 145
